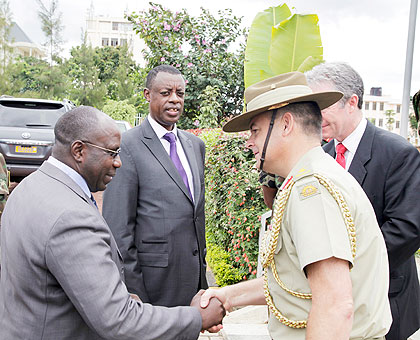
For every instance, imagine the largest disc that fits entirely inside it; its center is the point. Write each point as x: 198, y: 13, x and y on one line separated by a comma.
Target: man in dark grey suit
x: 155, y: 204
x: 62, y: 275
x: 388, y: 169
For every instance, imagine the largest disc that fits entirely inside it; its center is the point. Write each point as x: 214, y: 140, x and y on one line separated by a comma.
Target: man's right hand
x: 212, y: 315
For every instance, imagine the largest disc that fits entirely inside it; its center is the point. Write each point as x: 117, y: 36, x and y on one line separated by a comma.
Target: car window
x: 30, y: 114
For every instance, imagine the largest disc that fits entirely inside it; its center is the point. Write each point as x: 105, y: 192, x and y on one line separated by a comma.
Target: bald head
x: 88, y: 141
x: 79, y: 124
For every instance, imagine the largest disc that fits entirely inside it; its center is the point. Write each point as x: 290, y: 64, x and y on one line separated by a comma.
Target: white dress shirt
x: 73, y: 174
x: 352, y: 142
x: 160, y: 132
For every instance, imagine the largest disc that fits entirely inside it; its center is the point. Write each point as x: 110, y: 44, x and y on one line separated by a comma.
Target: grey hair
x: 77, y: 124
x: 342, y: 76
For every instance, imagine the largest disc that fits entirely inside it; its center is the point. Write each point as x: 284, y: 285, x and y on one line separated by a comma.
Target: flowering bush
x: 200, y: 48
x: 234, y: 201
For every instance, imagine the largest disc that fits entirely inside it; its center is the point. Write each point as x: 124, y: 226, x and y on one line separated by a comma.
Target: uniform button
x: 195, y: 252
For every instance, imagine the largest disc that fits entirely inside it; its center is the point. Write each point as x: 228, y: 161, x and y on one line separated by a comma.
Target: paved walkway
x: 250, y: 323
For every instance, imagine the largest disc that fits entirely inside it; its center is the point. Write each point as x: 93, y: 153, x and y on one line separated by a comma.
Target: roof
x: 18, y: 35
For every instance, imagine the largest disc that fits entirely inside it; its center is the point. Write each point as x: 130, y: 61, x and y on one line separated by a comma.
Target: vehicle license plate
x: 25, y: 149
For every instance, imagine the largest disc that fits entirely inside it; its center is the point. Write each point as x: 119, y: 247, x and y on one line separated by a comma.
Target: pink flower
x: 166, y: 27
x: 196, y: 122
x: 178, y: 65
x: 189, y: 64
x: 162, y: 59
x: 166, y: 38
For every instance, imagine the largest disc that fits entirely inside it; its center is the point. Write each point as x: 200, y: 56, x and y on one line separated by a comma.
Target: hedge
x: 234, y: 205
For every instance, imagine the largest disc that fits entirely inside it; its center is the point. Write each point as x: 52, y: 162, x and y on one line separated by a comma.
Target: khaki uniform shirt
x: 4, y: 188
x: 313, y: 229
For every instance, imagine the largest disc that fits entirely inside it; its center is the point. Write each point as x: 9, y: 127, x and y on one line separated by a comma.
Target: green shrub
x: 234, y: 201
x: 219, y: 261
x: 120, y: 110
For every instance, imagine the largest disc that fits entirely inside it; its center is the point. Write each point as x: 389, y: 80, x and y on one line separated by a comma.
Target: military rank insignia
x: 308, y: 190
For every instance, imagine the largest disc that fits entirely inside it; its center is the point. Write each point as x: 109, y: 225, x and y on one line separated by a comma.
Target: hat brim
x: 323, y: 99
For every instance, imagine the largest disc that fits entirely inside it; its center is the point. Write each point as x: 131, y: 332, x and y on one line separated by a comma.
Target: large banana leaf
x: 258, y: 43
x: 293, y: 41
x: 279, y: 42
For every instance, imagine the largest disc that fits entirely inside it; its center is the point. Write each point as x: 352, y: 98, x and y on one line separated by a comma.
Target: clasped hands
x: 212, y: 305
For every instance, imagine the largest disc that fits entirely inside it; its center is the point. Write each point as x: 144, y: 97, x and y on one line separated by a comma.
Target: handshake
x: 212, y: 307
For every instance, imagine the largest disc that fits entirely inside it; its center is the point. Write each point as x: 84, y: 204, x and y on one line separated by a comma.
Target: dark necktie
x: 93, y: 200
x: 171, y: 138
x: 340, y: 149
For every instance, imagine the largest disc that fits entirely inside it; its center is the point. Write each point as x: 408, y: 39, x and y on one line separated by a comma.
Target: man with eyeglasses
x: 62, y: 275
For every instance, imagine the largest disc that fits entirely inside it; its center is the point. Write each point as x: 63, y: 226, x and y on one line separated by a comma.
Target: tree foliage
x: 120, y: 110
x: 200, y: 47
x: 86, y: 88
x: 51, y: 24
x: 6, y: 18
x: 210, y: 108
x: 390, y: 120
x: 35, y: 78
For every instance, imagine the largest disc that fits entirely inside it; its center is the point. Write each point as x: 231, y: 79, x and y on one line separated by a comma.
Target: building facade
x: 22, y: 45
x: 114, y: 31
x: 385, y: 112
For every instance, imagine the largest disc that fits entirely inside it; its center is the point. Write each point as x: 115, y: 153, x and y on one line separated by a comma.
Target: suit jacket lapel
x: 329, y: 148
x: 152, y: 142
x: 56, y: 173
x: 363, y: 154
x: 189, y: 152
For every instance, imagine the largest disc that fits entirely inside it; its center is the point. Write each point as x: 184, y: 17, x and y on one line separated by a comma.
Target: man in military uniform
x: 325, y: 261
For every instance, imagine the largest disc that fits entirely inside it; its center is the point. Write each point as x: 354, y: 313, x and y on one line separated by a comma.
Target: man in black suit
x: 155, y: 204
x: 388, y: 169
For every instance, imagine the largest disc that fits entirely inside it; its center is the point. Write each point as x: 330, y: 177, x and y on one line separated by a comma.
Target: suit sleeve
x: 120, y: 212
x: 78, y: 254
x: 401, y: 214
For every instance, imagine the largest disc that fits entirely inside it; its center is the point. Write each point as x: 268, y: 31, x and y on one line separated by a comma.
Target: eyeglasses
x: 112, y: 153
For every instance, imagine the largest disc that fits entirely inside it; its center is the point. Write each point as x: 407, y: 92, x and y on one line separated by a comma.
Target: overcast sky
x: 371, y: 35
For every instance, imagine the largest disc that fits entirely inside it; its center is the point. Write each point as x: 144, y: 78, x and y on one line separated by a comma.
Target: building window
x: 398, y: 108
x: 123, y: 42
x: 105, y: 41
x: 115, y: 26
x: 366, y: 105
x: 374, y: 106
x: 126, y: 27
x: 381, y: 106
x: 114, y: 41
x: 104, y: 26
x: 381, y: 122
x: 397, y: 124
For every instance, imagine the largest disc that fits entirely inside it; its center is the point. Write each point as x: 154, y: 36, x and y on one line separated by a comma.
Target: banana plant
x: 280, y: 42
